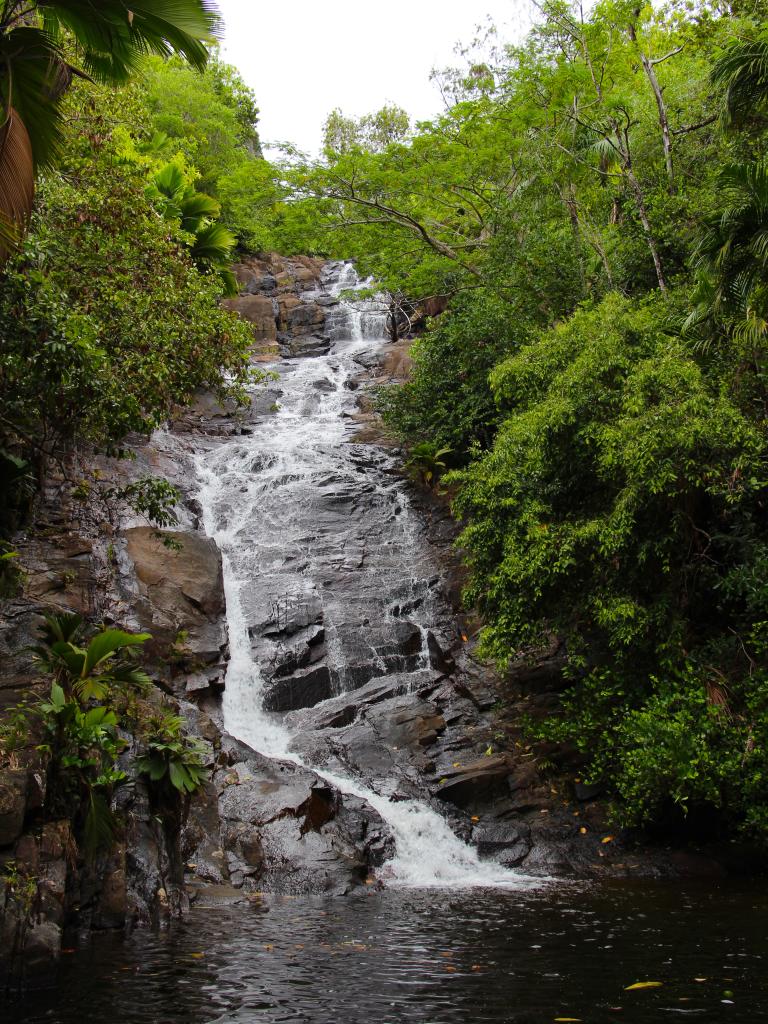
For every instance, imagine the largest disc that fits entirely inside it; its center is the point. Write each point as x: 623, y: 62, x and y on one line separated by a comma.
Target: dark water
x: 433, y: 957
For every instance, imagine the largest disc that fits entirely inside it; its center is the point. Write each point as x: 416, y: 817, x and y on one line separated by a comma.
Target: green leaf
x: 58, y: 698
x: 107, y: 643
x: 179, y: 776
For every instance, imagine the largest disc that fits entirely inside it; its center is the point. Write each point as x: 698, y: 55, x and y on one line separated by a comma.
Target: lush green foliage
x: 106, y: 322
x: 172, y: 758
x: 97, y: 690
x: 110, y: 42
x: 210, y: 121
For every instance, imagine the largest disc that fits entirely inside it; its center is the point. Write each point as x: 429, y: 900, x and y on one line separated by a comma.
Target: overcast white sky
x: 305, y: 57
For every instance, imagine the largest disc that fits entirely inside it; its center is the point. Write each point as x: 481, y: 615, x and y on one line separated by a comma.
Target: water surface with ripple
x: 430, y: 956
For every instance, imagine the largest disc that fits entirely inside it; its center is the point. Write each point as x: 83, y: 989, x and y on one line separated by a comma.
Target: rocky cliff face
x: 274, y: 299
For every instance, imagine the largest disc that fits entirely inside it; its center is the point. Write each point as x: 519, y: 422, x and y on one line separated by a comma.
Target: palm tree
x: 111, y: 38
x: 742, y: 70
x: 731, y: 256
x: 212, y: 244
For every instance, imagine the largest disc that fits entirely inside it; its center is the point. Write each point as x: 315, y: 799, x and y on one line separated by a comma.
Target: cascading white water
x: 259, y: 495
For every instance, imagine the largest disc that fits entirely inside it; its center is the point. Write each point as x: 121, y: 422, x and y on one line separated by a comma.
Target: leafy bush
x: 171, y: 758
x: 447, y: 400
x: 620, y: 508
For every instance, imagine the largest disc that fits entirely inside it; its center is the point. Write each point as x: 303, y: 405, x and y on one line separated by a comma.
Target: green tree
x: 111, y: 38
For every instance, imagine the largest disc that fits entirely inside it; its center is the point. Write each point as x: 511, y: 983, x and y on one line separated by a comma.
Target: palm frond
x: 116, y: 36
x: 213, y: 244
x: 742, y: 70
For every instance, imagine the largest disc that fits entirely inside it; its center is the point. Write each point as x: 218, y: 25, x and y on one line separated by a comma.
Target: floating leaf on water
x: 699, y: 979
x: 197, y: 956
x: 476, y: 967
x: 573, y: 1020
x: 475, y: 817
x: 644, y: 984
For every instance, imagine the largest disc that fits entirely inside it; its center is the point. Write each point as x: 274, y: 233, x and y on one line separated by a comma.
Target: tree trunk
x: 666, y: 136
x: 643, y: 214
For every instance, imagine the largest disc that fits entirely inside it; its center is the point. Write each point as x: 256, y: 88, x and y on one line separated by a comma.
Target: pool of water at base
x: 566, y: 951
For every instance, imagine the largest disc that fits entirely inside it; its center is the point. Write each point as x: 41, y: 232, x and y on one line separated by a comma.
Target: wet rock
x: 475, y: 783
x: 306, y: 345
x: 178, y: 597
x: 257, y: 310
x: 154, y: 868
x: 201, y: 835
x: 508, y: 843
x: 303, y: 689
x: 288, y: 831
x: 13, y: 805
x: 406, y: 722
x: 438, y: 659
x: 344, y: 709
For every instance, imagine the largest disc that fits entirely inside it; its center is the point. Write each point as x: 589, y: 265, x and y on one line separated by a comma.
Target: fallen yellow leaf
x: 475, y: 817
x: 572, y: 1019
x: 607, y: 839
x: 699, y: 979
x: 644, y: 984
x: 197, y: 956
x: 583, y: 830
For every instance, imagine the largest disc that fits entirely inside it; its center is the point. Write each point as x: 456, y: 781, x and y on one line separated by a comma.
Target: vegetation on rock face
x: 97, y: 692
x: 593, y: 202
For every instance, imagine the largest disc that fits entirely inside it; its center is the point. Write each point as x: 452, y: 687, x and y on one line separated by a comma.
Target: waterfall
x: 265, y: 500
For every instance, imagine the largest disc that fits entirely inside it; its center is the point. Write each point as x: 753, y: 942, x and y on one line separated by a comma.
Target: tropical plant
x: 111, y: 38
x: 82, y: 746
x: 731, y: 255
x: 88, y: 668
x: 11, y: 575
x: 172, y: 758
x: 212, y: 244
x: 426, y: 461
x: 742, y: 72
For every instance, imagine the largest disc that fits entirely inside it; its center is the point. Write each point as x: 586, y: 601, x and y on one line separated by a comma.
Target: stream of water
x: 261, y: 497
